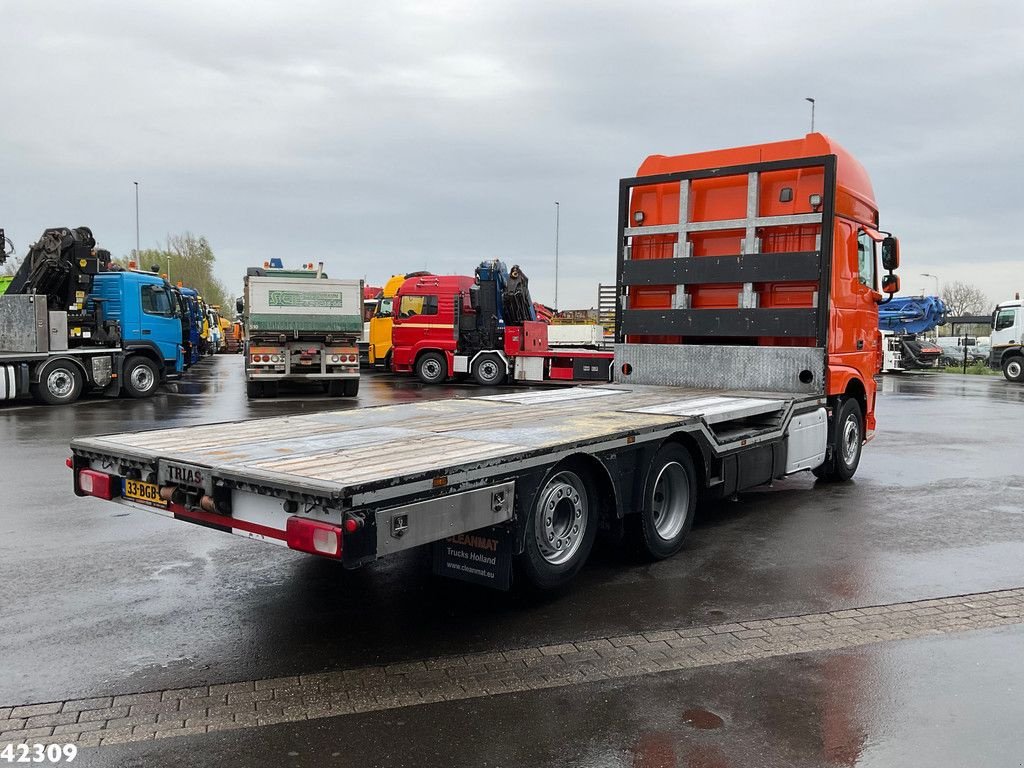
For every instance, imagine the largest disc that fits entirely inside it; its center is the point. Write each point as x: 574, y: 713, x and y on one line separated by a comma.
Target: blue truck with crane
x: 71, y: 322
x: 903, y: 322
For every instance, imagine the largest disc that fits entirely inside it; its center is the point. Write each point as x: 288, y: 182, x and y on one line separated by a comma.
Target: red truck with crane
x: 483, y: 326
x: 746, y: 348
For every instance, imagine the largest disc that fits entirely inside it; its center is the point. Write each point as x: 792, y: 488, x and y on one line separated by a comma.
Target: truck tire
x: 561, y: 528
x: 140, y: 377
x: 846, y: 443
x: 254, y: 389
x: 1013, y: 368
x: 489, y: 370
x: 60, y: 383
x: 350, y: 388
x: 670, y: 502
x: 270, y: 388
x: 432, y: 368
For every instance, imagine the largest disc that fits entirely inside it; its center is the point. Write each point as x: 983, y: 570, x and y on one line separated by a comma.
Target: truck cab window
x: 1005, y: 318
x: 384, y: 307
x: 412, y: 306
x: 156, y: 301
x: 866, y: 260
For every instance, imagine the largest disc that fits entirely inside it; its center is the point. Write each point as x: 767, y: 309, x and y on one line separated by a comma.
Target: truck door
x: 1006, y: 327
x: 417, y: 325
x: 159, y: 322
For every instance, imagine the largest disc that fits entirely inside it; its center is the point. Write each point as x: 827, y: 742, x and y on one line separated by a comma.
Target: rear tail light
x: 314, y: 537
x: 266, y: 358
x: 255, y: 358
x: 98, y: 484
x: 334, y: 358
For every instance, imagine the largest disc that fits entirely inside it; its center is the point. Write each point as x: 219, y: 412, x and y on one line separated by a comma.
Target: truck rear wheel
x: 432, y: 368
x: 670, y: 501
x: 846, y: 443
x: 270, y: 388
x: 561, y: 528
x: 60, y: 383
x: 1013, y: 368
x: 489, y: 370
x: 350, y: 388
x: 254, y: 389
x: 140, y: 377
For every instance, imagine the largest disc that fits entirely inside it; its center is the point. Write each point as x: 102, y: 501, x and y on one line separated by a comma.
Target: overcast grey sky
x: 390, y: 136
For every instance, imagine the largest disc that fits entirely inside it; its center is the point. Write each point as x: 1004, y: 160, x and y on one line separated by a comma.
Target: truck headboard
x: 757, y: 369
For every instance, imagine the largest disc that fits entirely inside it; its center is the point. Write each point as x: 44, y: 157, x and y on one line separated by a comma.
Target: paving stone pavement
x: 101, y: 720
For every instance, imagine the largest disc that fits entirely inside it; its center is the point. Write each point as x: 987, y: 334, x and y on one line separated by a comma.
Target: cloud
x: 395, y: 136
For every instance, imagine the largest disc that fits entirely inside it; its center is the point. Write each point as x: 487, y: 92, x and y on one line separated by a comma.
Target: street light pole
x: 136, y: 222
x: 808, y: 98
x: 936, y: 279
x: 557, y: 211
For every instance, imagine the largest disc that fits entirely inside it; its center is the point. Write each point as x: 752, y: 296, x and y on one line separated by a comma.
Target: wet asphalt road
x: 950, y: 701
x: 97, y: 598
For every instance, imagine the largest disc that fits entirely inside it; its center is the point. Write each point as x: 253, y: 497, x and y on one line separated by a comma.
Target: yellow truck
x: 379, y: 350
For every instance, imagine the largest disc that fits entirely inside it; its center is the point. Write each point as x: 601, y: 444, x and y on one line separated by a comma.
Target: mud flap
x: 479, y: 557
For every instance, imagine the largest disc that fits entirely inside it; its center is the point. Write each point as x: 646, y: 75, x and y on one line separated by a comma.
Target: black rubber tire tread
x: 482, y: 380
x: 835, y: 469
x: 254, y: 389
x: 1006, y: 369
x: 351, y: 387
x: 650, y: 544
x: 432, y: 356
x: 42, y: 395
x: 538, y: 573
x: 126, y: 376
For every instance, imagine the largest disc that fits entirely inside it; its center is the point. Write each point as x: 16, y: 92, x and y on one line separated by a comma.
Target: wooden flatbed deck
x: 340, y: 453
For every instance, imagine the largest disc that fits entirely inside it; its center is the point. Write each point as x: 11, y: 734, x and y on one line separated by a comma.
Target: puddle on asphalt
x: 701, y: 719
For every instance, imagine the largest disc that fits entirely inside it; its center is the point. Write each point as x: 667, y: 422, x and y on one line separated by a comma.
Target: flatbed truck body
x: 732, y: 368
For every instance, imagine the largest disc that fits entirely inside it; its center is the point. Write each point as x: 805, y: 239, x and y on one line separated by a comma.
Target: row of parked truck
x: 302, y: 325
x: 72, y: 321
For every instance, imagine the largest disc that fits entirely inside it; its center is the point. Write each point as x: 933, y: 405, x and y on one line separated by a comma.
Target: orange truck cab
x: 772, y: 247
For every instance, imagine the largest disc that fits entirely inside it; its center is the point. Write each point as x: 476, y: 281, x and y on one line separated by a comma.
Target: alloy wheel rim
x: 142, y: 378
x: 671, y: 500
x: 560, y: 521
x: 60, y: 383
x: 431, y: 368
x: 851, y: 440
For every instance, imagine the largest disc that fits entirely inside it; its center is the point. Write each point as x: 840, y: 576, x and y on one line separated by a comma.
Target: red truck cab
x: 424, y: 334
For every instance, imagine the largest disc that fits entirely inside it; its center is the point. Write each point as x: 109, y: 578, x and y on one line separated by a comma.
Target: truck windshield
x: 156, y: 301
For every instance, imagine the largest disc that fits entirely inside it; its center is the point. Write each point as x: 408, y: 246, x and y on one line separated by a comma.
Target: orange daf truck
x: 748, y: 285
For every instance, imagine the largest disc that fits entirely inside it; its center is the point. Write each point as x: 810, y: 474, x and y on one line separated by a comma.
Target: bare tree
x: 965, y: 299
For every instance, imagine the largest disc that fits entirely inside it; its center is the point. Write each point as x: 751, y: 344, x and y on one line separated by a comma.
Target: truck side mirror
x: 240, y: 305
x: 890, y: 284
x: 890, y: 253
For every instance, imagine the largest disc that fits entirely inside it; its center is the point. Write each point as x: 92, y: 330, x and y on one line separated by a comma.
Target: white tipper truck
x: 300, y: 325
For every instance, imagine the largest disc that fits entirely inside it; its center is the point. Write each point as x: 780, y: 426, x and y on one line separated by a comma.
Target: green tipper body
x: 276, y: 304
